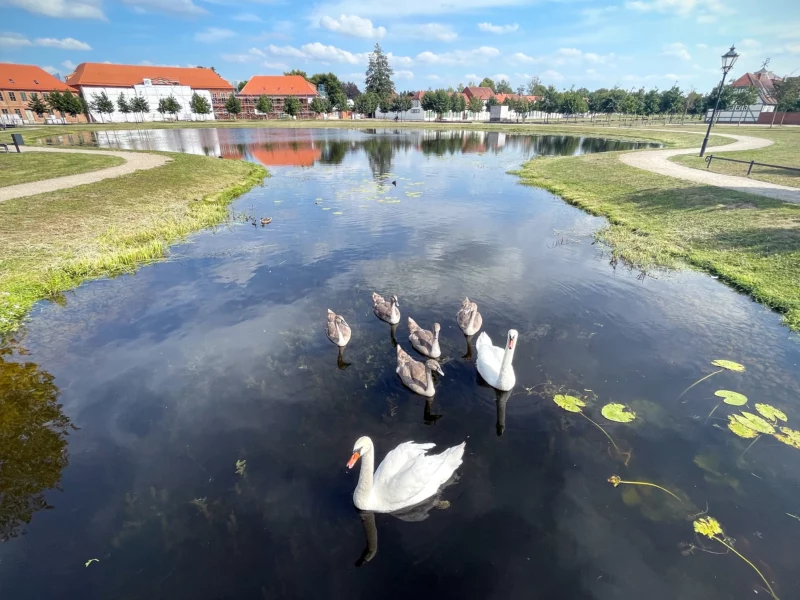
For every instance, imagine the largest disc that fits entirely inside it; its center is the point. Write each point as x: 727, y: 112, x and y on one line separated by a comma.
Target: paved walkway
x: 657, y: 161
x: 134, y: 161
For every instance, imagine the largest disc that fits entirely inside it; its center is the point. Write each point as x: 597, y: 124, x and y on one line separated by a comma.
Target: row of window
x: 12, y: 96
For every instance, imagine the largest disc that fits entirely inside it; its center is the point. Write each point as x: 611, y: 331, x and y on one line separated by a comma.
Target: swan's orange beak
x: 511, y: 344
x: 353, y: 460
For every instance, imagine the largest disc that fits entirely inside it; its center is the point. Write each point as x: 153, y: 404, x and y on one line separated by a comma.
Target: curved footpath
x: 134, y: 161
x: 657, y: 161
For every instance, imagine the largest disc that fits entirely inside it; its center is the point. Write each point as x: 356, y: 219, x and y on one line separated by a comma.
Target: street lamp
x: 728, y: 60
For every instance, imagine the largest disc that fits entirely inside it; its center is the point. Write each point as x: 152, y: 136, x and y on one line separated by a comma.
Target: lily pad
x: 569, y: 403
x: 743, y: 431
x: 790, y: 437
x: 732, y: 398
x: 770, y: 412
x: 326, y: 208
x: 338, y: 212
x: 754, y: 422
x: 728, y: 364
x: 618, y: 412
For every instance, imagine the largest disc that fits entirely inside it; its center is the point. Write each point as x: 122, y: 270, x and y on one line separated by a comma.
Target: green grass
x: 52, y: 242
x: 752, y: 243
x: 35, y: 166
x: 784, y: 152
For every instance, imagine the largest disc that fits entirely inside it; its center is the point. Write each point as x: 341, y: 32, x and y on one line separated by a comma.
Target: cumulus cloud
x: 481, y: 54
x: 354, y: 26
x: 708, y: 10
x: 471, y: 77
x: 69, y: 65
x: 213, y: 34
x: 426, y: 31
x: 401, y: 61
x: 50, y: 69
x: 551, y: 75
x: 489, y: 28
x: 16, y: 39
x: 677, y: 50
x: 61, y: 9
x: 320, y: 53
x: 402, y: 74
x: 182, y: 8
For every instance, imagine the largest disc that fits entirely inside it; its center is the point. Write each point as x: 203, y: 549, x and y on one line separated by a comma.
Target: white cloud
x: 183, y: 8
x: 500, y: 76
x: 14, y: 39
x: 471, y: 77
x: 65, y: 44
x: 69, y: 65
x: 63, y: 9
x: 680, y: 7
x: 402, y: 74
x: 409, y: 8
x: 320, y: 53
x: 749, y: 43
x: 596, y: 16
x: 354, y: 26
x: 213, y: 34
x: 481, y: 54
x: 426, y: 31
x: 278, y: 66
x: 247, y: 18
x: 401, y: 61
x: 705, y: 19
x: 50, y: 69
x: 551, y: 75
x: 677, y: 50
x: 433, y: 77
x: 569, y: 52
x: 521, y: 57
x: 489, y: 28
x: 252, y: 55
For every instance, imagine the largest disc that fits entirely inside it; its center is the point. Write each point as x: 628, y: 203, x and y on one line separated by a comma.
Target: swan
x: 337, y: 329
x: 415, y: 375
x: 494, y: 364
x: 405, y: 478
x: 424, y: 341
x: 386, y: 310
x: 468, y: 317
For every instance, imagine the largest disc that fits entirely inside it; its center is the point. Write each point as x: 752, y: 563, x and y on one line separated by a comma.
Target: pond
x: 188, y: 426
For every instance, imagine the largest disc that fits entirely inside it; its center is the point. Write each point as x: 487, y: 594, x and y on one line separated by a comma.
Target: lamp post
x: 728, y: 60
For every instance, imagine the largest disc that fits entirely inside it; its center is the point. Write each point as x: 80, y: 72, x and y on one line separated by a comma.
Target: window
x: 36, y: 81
x: 19, y: 114
x: 5, y: 111
x: 34, y: 95
x: 12, y: 96
x: 24, y: 96
x: 1, y: 97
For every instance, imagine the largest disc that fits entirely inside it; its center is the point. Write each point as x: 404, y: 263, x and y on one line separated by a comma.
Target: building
x: 151, y: 83
x: 278, y: 88
x: 417, y: 113
x: 764, y: 81
x: 484, y: 93
x: 18, y: 86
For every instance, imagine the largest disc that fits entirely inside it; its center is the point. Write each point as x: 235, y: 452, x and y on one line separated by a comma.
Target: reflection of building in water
x: 496, y: 140
x: 296, y: 148
x: 188, y: 141
x: 286, y: 154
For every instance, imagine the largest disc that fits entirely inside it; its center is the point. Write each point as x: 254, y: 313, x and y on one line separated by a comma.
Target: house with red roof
x: 278, y: 88
x: 152, y: 83
x: 764, y: 82
x: 20, y: 84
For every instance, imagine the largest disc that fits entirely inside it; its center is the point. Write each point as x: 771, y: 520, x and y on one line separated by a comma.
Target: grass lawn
x: 35, y: 166
x: 52, y: 242
x: 752, y: 243
x: 784, y: 152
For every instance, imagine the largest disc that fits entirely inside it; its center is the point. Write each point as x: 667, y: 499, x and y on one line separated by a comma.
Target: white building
x: 764, y: 82
x: 417, y: 113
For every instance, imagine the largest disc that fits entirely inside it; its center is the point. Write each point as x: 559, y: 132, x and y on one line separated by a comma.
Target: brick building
x: 18, y: 86
x: 278, y: 88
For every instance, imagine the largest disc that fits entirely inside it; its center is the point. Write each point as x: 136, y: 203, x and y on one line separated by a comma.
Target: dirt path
x: 134, y: 161
x: 657, y: 161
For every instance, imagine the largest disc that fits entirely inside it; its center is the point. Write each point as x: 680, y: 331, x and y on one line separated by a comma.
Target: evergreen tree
x: 488, y: 83
x: 233, y: 105
x: 36, y: 105
x: 264, y: 105
x: 102, y: 105
x: 503, y: 87
x: 199, y: 105
x: 379, y: 74
x: 123, y: 106
x: 291, y: 106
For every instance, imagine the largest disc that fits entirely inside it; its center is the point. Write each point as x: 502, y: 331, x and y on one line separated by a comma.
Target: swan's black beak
x: 353, y: 460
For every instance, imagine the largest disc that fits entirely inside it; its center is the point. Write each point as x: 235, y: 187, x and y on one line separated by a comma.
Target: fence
x: 711, y: 157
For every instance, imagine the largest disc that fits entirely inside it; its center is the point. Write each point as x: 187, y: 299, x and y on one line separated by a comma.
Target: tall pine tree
x: 379, y: 74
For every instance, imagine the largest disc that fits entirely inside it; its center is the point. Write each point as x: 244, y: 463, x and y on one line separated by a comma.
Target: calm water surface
x: 136, y: 397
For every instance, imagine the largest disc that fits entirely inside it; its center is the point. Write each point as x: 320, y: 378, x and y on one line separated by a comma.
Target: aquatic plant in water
x: 618, y: 412
x: 576, y: 405
x: 710, y: 527
x: 747, y: 425
x: 616, y: 480
x: 728, y: 397
x: 724, y: 365
x: 241, y: 465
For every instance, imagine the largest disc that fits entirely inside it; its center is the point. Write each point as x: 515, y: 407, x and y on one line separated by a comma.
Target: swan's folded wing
x: 484, y: 341
x: 423, y: 473
x: 424, y: 337
x: 398, y: 459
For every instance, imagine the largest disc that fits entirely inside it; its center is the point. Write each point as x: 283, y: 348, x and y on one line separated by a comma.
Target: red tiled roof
x: 108, y: 75
x: 502, y: 97
x: 302, y: 155
x: 29, y: 78
x: 417, y: 95
x: 762, y: 82
x: 483, y: 93
x: 278, y: 85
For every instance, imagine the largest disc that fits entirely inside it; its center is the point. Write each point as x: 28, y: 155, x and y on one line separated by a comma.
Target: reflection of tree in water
x: 380, y: 151
x: 33, y: 439
x: 334, y: 151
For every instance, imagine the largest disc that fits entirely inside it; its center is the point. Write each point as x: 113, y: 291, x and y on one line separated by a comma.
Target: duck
x: 266, y: 221
x: 407, y: 476
x: 468, y: 317
x: 494, y: 364
x: 417, y: 376
x: 386, y: 310
x: 337, y: 329
x: 424, y: 341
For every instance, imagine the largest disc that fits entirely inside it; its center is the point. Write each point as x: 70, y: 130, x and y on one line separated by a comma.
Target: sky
x: 431, y: 43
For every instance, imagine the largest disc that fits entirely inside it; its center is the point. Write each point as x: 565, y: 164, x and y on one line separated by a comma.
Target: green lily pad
x: 732, y: 398
x: 728, y: 364
x: 338, y: 212
x: 326, y: 208
x: 743, y: 431
x: 754, y: 422
x: 618, y: 412
x: 569, y: 403
x: 770, y: 412
x: 790, y: 437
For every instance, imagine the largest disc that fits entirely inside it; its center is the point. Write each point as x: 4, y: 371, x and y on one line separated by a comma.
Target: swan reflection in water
x: 428, y: 416
x: 340, y: 362
x: 392, y: 331
x: 468, y: 355
x: 501, y: 399
x: 416, y: 513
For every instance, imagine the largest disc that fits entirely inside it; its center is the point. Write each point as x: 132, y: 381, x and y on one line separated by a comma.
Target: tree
x: 123, y: 105
x: 503, y: 87
x: 460, y: 87
x: 633, y: 103
x: 550, y: 101
x: 437, y: 101
x: 240, y: 85
x: 351, y: 90
x: 693, y: 103
x: 745, y: 96
x: 291, y: 106
x: 320, y: 105
x: 332, y: 88
x: 199, y: 105
x: 162, y: 106
x: 492, y: 101
x: 535, y: 87
x: 573, y: 102
x: 297, y: 72
x: 101, y: 104
x: 173, y: 106
x: 486, y: 82
x: 366, y: 103
x: 36, y: 105
x: 475, y: 105
x: 385, y: 104
x: 233, y: 105
x: 520, y: 90
x: 379, y: 74
x: 264, y: 105
x: 652, y: 100
x: 726, y: 98
x: 75, y: 105
x: 457, y: 103
x: 671, y: 101
x: 140, y: 105
x: 787, y: 93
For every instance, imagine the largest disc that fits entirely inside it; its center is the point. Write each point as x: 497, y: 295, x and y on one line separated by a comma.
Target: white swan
x: 406, y: 477
x: 494, y: 364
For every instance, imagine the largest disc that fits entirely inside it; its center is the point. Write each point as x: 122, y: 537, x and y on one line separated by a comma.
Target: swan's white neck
x: 505, y: 366
x: 364, y: 487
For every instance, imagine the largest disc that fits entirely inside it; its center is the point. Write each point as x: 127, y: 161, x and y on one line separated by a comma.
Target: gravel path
x: 134, y: 161
x: 657, y: 161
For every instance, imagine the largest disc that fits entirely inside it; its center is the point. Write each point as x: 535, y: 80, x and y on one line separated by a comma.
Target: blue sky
x: 431, y: 43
